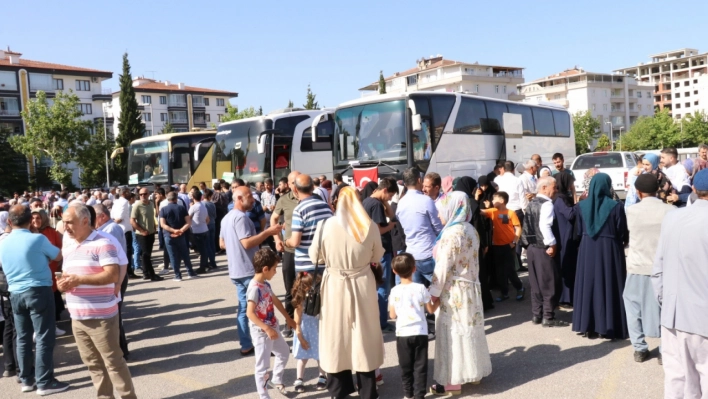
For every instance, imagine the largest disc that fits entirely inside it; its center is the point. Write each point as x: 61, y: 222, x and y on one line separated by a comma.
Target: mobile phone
x: 57, y: 275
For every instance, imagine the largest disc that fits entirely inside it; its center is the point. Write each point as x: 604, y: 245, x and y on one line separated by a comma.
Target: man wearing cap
x: 644, y: 222
x: 680, y: 278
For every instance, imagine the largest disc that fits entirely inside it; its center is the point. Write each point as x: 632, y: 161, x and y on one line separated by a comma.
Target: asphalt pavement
x: 184, y: 345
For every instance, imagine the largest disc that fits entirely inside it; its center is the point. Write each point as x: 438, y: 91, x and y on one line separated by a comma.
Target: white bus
x: 270, y: 146
x: 452, y: 134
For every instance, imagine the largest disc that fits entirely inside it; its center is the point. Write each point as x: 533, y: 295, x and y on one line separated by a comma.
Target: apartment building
x: 438, y: 74
x: 184, y: 107
x: 21, y: 79
x: 679, y: 80
x: 616, y: 100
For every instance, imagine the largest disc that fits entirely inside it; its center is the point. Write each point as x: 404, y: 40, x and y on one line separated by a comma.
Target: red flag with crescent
x: 365, y: 175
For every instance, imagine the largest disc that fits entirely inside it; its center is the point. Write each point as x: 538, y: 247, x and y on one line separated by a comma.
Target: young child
x: 506, y: 232
x: 306, y: 346
x: 264, y: 326
x: 406, y: 304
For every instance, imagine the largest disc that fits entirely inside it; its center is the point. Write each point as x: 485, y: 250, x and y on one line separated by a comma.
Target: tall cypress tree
x: 311, y: 103
x: 382, y: 83
x: 130, y: 126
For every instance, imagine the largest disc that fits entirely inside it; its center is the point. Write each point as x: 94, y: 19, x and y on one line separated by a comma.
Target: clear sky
x: 269, y: 51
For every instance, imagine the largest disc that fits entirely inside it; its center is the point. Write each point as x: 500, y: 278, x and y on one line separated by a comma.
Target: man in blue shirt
x: 174, y: 223
x: 25, y: 259
x: 419, y: 218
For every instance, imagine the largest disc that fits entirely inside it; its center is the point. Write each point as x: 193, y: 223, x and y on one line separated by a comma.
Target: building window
x: 678, y: 116
x: 687, y: 94
x: 163, y: 117
x: 686, y: 83
x: 504, y: 88
x: 687, y: 105
x: 219, y: 116
x: 411, y: 80
x: 593, y: 107
x: 148, y: 132
x: 496, y: 88
x: 648, y: 94
x: 476, y: 88
x: 206, y: 102
x: 695, y: 103
x: 83, y: 85
x: 86, y: 109
x: 207, y: 117
x: 58, y: 84
x: 678, y: 95
x: 219, y: 102
x: 677, y: 84
x: 147, y: 117
x: 639, y: 107
x: 695, y: 92
x: 592, y: 93
x: 146, y: 99
x: 678, y: 106
x: 639, y: 94
x: 163, y: 99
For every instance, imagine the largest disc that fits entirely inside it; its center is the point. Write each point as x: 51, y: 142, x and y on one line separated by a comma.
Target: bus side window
x: 526, y: 117
x: 562, y: 123
x: 495, y: 117
x: 543, y: 120
x: 324, y: 138
x: 422, y: 142
x: 470, y: 116
x: 441, y: 107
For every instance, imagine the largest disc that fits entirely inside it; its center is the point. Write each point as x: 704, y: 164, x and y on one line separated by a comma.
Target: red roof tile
x: 25, y: 63
x: 161, y: 86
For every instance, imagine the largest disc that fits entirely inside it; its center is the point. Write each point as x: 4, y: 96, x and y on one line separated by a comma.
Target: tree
x: 55, y: 132
x: 311, y: 103
x: 13, y: 166
x: 167, y: 128
x: 587, y: 130
x: 695, y: 129
x: 232, y: 113
x: 603, y: 143
x: 382, y: 83
x: 290, y: 104
x: 131, y: 126
x: 260, y: 111
x: 91, y: 158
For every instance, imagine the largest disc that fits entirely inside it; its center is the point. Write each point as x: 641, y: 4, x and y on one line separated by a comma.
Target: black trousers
x: 289, y: 280
x: 413, y: 359
x: 146, y: 243
x: 340, y: 385
x: 503, y: 258
x: 484, y: 259
x: 545, y: 281
x: 9, y: 337
x: 129, y: 254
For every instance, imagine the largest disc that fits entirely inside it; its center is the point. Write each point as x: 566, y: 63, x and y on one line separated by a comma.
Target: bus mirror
x: 416, y: 122
x: 411, y: 105
x: 261, y: 141
x: 323, y: 117
x: 119, y: 150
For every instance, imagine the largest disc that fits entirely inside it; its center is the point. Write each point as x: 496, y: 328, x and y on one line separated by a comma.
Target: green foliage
x: 382, y: 83
x: 311, y: 103
x: 232, y: 113
x: 290, y: 104
x: 13, y: 166
x: 603, y: 143
x: 55, y: 132
x: 661, y: 130
x: 260, y: 111
x: 695, y: 129
x: 131, y: 126
x: 92, y: 158
x: 167, y: 128
x: 587, y: 130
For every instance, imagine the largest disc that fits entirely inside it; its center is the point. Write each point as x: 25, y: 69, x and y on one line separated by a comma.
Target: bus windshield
x: 148, y: 162
x: 236, y: 151
x: 371, y: 133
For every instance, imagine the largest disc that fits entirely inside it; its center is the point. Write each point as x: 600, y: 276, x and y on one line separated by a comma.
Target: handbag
x: 313, y: 302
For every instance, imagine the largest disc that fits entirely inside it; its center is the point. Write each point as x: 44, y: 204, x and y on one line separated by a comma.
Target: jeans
x: 146, y: 243
x: 424, y: 271
x: 178, y: 252
x: 9, y: 338
x: 135, y: 252
x: 200, y: 245
x: 34, y: 313
x: 244, y: 334
x: 384, y: 289
x: 211, y: 246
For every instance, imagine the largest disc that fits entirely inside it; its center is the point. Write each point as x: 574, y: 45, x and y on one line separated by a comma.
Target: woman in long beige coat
x: 350, y: 332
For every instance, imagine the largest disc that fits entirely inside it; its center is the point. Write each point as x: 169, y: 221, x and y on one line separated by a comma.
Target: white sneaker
x: 165, y: 271
x: 34, y: 337
x: 191, y: 277
x: 177, y: 279
x: 59, y: 332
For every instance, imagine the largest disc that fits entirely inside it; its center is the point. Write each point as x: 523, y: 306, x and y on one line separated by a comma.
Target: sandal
x: 322, y: 383
x: 437, y: 389
x: 279, y: 387
x: 299, y: 386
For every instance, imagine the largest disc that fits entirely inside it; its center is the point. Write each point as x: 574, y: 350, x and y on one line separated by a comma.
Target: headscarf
x: 45, y: 218
x: 564, y: 183
x: 599, y: 204
x: 488, y: 193
x: 368, y: 189
x: 542, y: 168
x: 447, y: 184
x: 3, y: 221
x: 688, y: 165
x: 653, y: 160
x: 468, y: 186
x: 351, y: 214
x: 454, y: 209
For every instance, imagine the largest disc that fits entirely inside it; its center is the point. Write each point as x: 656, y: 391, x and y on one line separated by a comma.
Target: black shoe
x: 248, y: 352
x: 554, y: 323
x: 287, y: 332
x: 536, y: 320
x: 591, y: 335
x: 640, y: 357
x: 201, y: 271
x: 132, y: 275
x: 156, y: 278
x: 146, y: 277
x: 523, y: 269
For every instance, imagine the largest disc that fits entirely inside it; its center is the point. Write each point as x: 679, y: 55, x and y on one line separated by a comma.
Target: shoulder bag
x: 312, y: 303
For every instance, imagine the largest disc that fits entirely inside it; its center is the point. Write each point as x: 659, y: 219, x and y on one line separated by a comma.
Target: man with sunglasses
x: 142, y: 219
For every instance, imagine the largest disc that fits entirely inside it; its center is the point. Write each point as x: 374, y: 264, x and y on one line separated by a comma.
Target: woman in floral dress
x: 461, y: 352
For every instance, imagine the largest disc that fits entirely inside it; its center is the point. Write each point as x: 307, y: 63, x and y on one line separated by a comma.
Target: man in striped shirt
x: 91, y: 271
x: 307, y: 213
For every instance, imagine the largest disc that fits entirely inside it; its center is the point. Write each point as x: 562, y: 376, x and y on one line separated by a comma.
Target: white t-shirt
x: 408, y: 300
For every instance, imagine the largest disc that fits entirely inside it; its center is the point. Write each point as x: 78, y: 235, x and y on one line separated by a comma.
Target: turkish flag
x: 365, y: 175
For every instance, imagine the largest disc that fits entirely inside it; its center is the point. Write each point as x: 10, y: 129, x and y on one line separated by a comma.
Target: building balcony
x: 10, y: 113
x: 179, y: 121
x: 199, y: 122
x: 102, y: 94
x: 197, y: 104
x: 37, y: 86
x: 177, y: 104
x: 516, y: 97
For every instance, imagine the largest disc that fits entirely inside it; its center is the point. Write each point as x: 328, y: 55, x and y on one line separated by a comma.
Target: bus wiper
x: 369, y: 163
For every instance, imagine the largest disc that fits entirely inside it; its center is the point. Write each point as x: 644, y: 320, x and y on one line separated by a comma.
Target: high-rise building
x: 616, y: 100
x: 184, y: 107
x: 438, y: 74
x: 679, y: 80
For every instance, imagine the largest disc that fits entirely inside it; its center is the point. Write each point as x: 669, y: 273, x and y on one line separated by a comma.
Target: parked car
x: 617, y: 164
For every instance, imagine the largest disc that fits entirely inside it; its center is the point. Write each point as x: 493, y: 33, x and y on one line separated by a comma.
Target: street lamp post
x: 152, y: 124
x: 621, y: 127
x: 612, y: 144
x: 105, y: 137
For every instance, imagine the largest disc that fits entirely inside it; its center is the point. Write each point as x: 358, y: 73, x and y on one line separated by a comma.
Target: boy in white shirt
x: 407, y: 303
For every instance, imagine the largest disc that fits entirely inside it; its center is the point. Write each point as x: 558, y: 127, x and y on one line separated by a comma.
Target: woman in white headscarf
x: 461, y: 351
x: 350, y: 332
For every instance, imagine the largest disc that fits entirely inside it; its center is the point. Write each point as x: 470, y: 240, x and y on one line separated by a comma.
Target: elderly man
x: 680, y: 279
x: 239, y: 239
x: 91, y: 273
x: 25, y: 259
x: 528, y: 179
x: 120, y: 213
x: 537, y: 236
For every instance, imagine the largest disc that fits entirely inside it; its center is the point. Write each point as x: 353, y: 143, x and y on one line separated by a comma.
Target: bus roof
x: 277, y: 115
x: 168, y: 136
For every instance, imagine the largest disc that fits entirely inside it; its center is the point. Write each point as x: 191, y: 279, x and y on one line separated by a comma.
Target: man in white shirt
x: 518, y: 201
x: 528, y: 180
x: 120, y: 213
x: 676, y: 173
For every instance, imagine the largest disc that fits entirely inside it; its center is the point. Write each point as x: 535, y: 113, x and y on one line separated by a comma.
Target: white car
x: 617, y: 164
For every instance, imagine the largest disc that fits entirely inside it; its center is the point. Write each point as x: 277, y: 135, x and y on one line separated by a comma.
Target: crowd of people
x: 626, y: 270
